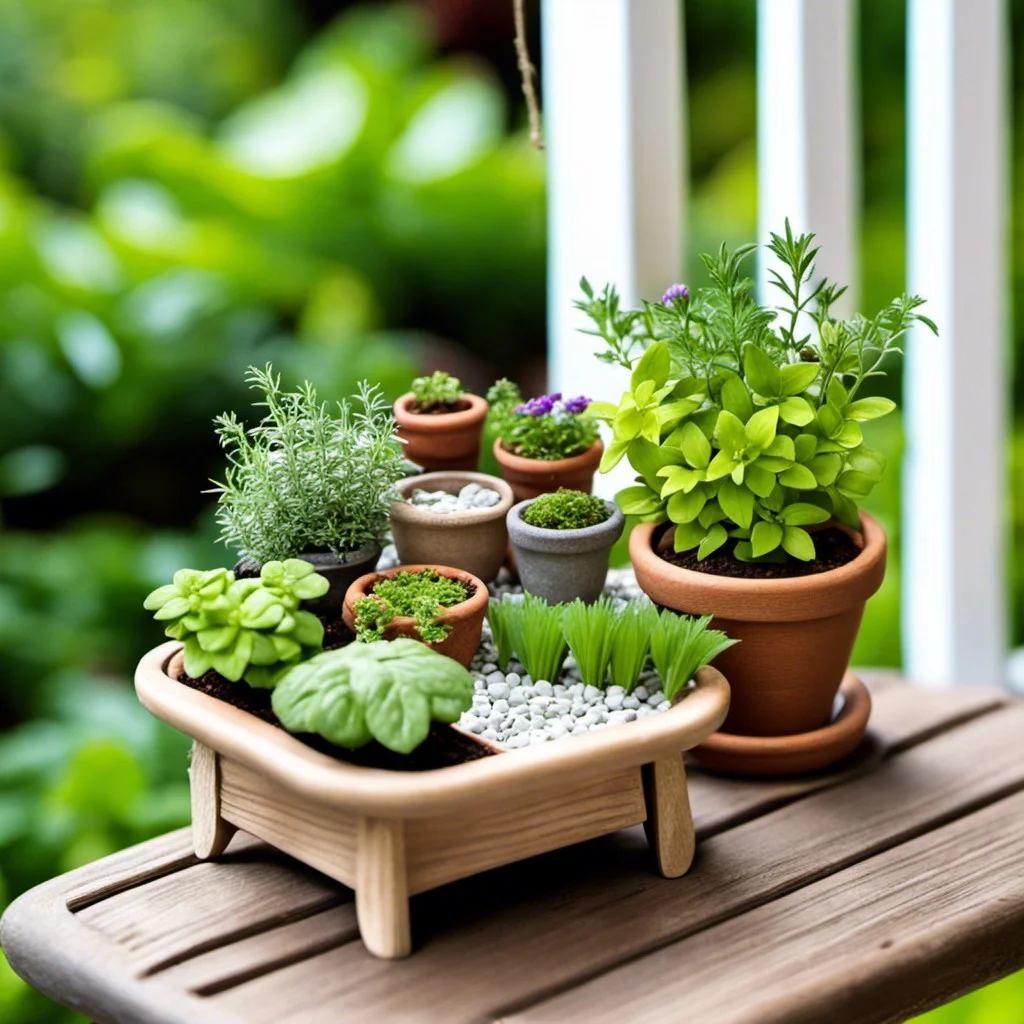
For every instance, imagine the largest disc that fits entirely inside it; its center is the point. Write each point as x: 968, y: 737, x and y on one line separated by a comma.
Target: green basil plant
x: 249, y: 628
x: 389, y: 691
x: 743, y: 422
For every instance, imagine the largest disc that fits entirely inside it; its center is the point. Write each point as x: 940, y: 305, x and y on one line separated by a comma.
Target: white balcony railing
x: 614, y: 81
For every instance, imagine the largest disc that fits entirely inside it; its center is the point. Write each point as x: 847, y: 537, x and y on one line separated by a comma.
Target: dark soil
x: 439, y: 408
x: 834, y: 548
x: 443, y: 747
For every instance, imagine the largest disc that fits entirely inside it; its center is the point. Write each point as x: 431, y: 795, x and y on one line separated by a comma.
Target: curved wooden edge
x: 267, y: 749
x: 79, y: 967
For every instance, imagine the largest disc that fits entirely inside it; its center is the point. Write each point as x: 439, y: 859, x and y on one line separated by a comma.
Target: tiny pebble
x: 614, y: 701
x: 521, y: 724
x: 592, y: 693
x: 517, y: 696
x: 498, y: 691
x: 488, y: 667
x: 665, y: 705
x: 501, y: 707
x: 543, y: 688
x: 513, y: 679
x: 520, y: 740
x: 655, y: 699
x: 631, y: 702
x: 489, y: 734
x: 641, y: 693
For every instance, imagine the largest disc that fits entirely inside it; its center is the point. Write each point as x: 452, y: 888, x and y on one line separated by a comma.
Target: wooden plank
x: 888, y: 938
x: 573, y: 915
x: 208, y: 905
x: 956, y: 386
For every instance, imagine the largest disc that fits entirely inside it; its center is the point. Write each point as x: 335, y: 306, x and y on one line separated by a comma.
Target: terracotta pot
x: 341, y: 572
x: 466, y: 619
x: 531, y: 478
x: 475, y: 541
x: 561, y: 565
x: 796, y: 635
x: 445, y: 440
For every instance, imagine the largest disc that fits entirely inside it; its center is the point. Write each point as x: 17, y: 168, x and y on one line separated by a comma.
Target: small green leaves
x: 695, y: 446
x: 765, y: 538
x: 798, y: 543
x: 760, y: 429
x: 737, y: 503
x: 653, y: 368
x: 638, y: 501
x: 801, y: 513
x: 869, y: 409
x: 761, y: 373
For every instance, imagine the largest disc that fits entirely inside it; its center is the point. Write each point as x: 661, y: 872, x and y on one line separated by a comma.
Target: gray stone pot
x: 341, y: 572
x: 561, y: 565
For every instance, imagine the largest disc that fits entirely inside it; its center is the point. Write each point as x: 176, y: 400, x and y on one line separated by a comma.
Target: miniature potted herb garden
x: 545, y: 443
x: 440, y: 423
x: 438, y: 605
x: 453, y: 518
x: 354, y: 741
x: 561, y: 543
x: 310, y: 481
x: 743, y: 424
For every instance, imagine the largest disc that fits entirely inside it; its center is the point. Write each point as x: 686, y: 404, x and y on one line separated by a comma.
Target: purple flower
x: 577, y: 405
x: 675, y: 291
x: 540, y: 406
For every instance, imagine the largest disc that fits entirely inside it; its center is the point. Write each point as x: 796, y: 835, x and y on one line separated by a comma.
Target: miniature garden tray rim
x: 268, y: 749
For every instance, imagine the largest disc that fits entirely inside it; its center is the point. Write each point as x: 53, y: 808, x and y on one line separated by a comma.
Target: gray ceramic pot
x: 561, y: 565
x: 341, y: 572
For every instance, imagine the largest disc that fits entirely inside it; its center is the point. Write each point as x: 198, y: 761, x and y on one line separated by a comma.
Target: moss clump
x: 566, y: 510
x: 423, y: 596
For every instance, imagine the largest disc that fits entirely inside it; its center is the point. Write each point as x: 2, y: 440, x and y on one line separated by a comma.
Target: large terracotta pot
x: 446, y: 440
x: 475, y: 540
x: 466, y: 619
x: 796, y: 635
x: 531, y: 478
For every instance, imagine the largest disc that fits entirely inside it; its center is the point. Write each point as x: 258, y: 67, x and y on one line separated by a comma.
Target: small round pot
x: 445, y: 440
x: 341, y: 571
x: 475, y: 541
x: 796, y: 635
x: 531, y: 478
x: 466, y: 619
x: 561, y: 565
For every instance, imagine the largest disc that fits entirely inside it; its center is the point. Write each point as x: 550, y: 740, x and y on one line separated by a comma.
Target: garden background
x: 191, y: 186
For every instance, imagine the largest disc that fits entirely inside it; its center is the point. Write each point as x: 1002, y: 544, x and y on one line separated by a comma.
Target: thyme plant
x: 440, y: 392
x: 424, y: 596
x: 566, y: 509
x: 743, y: 422
x: 309, y: 476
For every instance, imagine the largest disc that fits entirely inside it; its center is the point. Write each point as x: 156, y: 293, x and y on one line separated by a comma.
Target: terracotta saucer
x: 797, y: 754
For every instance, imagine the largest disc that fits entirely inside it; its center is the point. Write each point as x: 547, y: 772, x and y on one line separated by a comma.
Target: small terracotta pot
x: 341, y: 572
x: 466, y: 619
x: 475, y: 541
x: 796, y: 635
x: 445, y: 440
x: 561, y: 565
x: 531, y: 478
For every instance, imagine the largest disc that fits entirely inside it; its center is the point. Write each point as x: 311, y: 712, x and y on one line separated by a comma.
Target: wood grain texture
x: 382, y: 890
x: 573, y: 915
x: 210, y: 832
x: 669, y: 825
x: 323, y: 837
x: 845, y: 948
x: 441, y: 850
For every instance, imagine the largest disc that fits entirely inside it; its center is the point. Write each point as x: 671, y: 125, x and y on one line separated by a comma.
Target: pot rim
x: 462, y: 612
x: 274, y: 753
x: 598, y: 537
x: 758, y: 600
x: 329, y: 560
x: 411, y: 515
x: 432, y: 423
x: 519, y: 463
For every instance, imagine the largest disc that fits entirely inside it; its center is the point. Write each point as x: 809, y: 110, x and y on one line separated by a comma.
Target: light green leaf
x: 695, y: 446
x: 711, y: 513
x: 798, y: 377
x: 854, y: 484
x: 172, y: 609
x: 655, y: 365
x: 714, y: 539
x: 868, y: 408
x: 721, y: 465
x: 799, y: 477
x: 638, y: 501
x: 730, y: 433
x: 736, y: 398
x: 825, y: 469
x: 761, y: 372
x: 798, y: 543
x: 782, y: 448
x: 836, y: 394
x: 685, y: 507
x: 687, y: 536
x: 806, y: 446
x: 797, y: 411
x: 737, y: 503
x: 867, y: 461
x: 678, y: 478
x: 764, y: 538
x: 802, y: 513
x: 613, y: 453
x: 760, y: 428
x: 830, y: 420
x: 850, y: 435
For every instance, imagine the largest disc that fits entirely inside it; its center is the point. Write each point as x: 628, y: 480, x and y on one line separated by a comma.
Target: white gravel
x: 471, y: 497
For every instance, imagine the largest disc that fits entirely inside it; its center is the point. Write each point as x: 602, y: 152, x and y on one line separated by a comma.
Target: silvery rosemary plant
x: 309, y: 477
x: 743, y: 421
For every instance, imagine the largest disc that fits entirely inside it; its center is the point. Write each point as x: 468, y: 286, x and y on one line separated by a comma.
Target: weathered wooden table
x: 869, y: 894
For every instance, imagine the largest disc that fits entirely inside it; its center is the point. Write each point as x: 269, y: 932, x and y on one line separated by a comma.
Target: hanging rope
x: 528, y: 73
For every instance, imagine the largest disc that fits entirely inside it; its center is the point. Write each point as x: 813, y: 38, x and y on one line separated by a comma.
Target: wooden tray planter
x: 389, y: 835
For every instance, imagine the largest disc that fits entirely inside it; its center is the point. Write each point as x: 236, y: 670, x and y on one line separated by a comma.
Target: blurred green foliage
x: 191, y: 186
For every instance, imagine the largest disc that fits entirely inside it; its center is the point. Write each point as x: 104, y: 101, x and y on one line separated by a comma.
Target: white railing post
x: 954, y: 611
x: 613, y: 122
x: 807, y: 140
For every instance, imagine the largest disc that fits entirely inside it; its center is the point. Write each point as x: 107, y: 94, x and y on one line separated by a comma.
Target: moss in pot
x: 311, y: 480
x: 543, y: 444
x: 440, y: 423
x: 562, y: 542
x: 745, y: 434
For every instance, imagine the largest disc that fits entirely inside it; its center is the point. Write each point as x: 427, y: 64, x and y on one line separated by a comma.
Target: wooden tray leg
x: 382, y: 888
x: 669, y: 824
x: 210, y: 832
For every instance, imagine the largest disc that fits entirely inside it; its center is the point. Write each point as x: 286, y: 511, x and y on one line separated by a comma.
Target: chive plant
x: 680, y: 645
x: 631, y: 642
x: 499, y: 618
x: 588, y: 628
x: 537, y: 637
